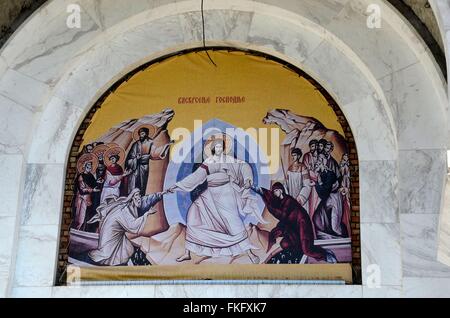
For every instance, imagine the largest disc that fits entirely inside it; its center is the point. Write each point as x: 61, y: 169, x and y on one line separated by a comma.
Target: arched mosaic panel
x: 226, y: 165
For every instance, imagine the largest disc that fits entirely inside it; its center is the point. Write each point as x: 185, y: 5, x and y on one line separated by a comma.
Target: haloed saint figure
x: 138, y: 160
x: 85, y: 187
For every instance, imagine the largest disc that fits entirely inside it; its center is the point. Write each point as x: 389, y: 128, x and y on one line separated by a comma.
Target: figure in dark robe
x: 331, y: 162
x: 138, y: 160
x: 294, y: 224
x: 84, y: 188
x: 321, y: 144
x: 328, y: 219
x: 344, y: 167
x: 100, y: 173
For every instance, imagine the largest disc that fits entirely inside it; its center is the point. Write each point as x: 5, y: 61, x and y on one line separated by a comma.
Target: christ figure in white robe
x: 214, y: 226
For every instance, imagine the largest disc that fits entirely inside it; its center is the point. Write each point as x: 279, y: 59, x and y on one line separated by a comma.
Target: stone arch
x: 369, y: 81
x: 78, y: 140
x: 442, y: 13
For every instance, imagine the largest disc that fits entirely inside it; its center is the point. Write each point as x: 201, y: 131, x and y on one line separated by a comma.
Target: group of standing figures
x: 321, y: 186
x: 105, y: 172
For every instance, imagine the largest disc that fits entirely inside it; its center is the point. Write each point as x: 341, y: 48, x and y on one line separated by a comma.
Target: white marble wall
x: 7, y: 236
x: 32, y: 52
x: 57, y: 123
x: 405, y: 91
x: 381, y: 246
x: 384, y: 80
x: 442, y: 12
x: 384, y: 204
x: 419, y: 241
x: 36, y: 256
x: 443, y: 253
x: 422, y: 194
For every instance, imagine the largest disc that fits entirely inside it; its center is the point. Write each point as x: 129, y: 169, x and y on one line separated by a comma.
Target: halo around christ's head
x: 222, y: 137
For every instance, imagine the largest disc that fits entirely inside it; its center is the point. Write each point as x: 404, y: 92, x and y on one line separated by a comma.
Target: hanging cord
x: 203, y: 35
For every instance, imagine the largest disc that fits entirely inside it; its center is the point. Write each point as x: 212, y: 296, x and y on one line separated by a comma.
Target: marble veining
x: 7, y: 239
x: 6, y: 251
x: 9, y: 183
x: 365, y: 116
x: 107, y: 13
x: 444, y: 227
x: 41, y: 204
x: 321, y: 12
x: 419, y: 246
x: 410, y: 94
x: 109, y: 60
x: 379, y: 191
x: 346, y: 81
x: 59, y: 45
x: 426, y: 287
x: 421, y: 191
x: 219, y: 25
x: 13, y: 135
x: 53, y: 136
x: 380, y: 245
x: 36, y: 256
x: 283, y: 37
x: 379, y: 48
x: 13, y: 84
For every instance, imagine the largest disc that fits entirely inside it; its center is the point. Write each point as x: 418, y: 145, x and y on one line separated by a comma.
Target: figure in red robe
x: 113, y: 184
x: 294, y: 224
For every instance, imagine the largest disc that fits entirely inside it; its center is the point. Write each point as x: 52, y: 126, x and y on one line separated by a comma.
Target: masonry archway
x: 383, y: 103
x: 311, y: 99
